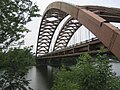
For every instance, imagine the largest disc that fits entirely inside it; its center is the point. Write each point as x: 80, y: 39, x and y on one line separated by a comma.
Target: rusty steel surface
x: 91, y: 46
x: 94, y: 18
x: 49, y: 23
x: 66, y: 32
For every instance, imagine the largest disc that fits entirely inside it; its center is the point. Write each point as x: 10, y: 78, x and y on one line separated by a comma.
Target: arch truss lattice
x: 95, y: 18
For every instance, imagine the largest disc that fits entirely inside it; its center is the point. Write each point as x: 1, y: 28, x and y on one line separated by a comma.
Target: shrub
x: 88, y: 74
x: 16, y: 63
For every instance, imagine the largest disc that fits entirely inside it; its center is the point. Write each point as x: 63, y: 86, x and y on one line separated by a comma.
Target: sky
x: 31, y: 37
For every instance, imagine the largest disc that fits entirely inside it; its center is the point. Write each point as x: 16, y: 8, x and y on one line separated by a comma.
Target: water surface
x: 41, y: 80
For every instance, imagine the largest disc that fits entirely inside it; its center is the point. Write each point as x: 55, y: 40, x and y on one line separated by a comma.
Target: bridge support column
x: 55, y: 62
x: 42, y: 64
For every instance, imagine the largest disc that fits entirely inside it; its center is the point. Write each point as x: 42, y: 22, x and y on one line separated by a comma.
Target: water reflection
x: 38, y: 80
x: 116, y: 68
x: 42, y: 80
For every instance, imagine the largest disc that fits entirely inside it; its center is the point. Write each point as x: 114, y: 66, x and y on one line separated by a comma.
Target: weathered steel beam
x: 108, y: 34
x: 65, y: 32
x: 51, y: 19
x: 92, y: 47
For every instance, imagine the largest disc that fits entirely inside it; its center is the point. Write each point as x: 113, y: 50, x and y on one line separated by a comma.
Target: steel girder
x: 49, y: 23
x: 66, y: 32
x: 109, y: 14
x: 95, y: 18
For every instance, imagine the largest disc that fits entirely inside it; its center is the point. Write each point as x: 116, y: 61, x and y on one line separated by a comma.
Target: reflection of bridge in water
x: 95, y: 18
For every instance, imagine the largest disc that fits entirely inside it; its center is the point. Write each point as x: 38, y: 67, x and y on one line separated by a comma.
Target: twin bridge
x: 96, y: 19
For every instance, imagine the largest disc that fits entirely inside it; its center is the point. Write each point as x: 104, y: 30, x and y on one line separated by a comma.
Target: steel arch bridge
x: 95, y: 18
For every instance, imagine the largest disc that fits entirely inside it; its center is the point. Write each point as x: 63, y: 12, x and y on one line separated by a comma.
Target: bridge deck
x: 92, y: 46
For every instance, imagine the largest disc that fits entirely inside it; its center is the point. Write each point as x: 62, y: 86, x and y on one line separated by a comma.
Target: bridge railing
x: 91, y: 46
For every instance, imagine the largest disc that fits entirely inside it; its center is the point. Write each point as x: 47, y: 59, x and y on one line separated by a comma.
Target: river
x: 116, y: 68
x: 40, y: 80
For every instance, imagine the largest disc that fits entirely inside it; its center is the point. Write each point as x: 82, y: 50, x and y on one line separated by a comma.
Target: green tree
x: 14, y: 14
x: 88, y: 74
x: 16, y: 64
x: 1, y: 58
x: 65, y: 80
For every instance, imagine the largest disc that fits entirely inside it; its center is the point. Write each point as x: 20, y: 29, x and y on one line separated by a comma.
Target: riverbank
x: 41, y: 80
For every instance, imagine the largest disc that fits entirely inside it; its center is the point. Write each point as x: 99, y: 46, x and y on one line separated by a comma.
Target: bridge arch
x: 95, y: 18
x: 66, y: 32
x: 49, y: 23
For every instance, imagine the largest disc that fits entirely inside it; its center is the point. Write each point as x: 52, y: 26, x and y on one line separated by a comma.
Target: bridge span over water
x: 95, y: 18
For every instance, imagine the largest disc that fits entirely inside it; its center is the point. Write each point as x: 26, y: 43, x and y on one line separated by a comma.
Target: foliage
x: 1, y: 58
x: 88, y: 74
x: 65, y: 80
x: 16, y: 64
x: 14, y: 14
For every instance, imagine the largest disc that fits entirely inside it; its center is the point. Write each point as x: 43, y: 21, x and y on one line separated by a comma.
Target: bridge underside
x: 95, y: 18
x: 91, y: 46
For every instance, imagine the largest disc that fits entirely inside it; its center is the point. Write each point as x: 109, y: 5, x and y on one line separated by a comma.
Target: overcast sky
x: 31, y: 37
